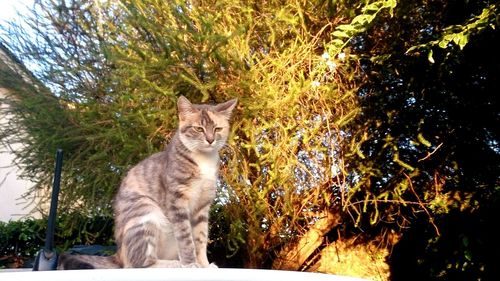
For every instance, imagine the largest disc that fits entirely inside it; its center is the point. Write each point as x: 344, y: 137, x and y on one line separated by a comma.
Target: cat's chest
x: 203, y: 188
x: 208, y: 166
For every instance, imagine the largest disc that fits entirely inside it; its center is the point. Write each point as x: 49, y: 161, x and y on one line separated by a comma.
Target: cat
x: 162, y: 205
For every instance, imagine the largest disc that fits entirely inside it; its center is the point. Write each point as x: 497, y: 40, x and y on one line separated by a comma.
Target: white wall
x: 12, y: 205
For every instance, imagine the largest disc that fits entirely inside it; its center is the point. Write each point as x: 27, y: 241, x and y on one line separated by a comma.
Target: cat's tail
x: 67, y: 261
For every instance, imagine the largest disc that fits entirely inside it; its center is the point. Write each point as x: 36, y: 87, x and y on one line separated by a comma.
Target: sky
x: 9, y: 12
x: 9, y: 7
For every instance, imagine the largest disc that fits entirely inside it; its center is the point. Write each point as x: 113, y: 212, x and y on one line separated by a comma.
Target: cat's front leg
x: 200, y: 235
x: 178, y: 213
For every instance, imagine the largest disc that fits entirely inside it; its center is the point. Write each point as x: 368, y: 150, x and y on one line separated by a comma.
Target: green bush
x: 21, y: 240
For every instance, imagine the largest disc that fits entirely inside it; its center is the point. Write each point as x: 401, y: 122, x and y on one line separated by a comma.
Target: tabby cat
x: 161, y: 208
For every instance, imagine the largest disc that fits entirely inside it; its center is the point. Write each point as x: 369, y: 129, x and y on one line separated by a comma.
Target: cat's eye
x: 217, y: 129
x: 198, y: 129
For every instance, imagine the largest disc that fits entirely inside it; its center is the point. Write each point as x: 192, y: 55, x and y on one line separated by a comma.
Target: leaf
x: 460, y: 39
x: 464, y: 39
x: 423, y: 141
x: 346, y: 27
x: 341, y: 34
x: 402, y: 163
x: 363, y: 19
x: 337, y: 42
x: 429, y: 56
x: 391, y: 4
x: 443, y: 44
x: 375, y: 6
x: 411, y: 49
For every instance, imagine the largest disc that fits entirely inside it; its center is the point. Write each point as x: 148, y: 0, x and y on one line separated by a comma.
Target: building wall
x: 12, y: 204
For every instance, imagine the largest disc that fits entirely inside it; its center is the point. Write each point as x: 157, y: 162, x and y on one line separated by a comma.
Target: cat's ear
x: 184, y: 107
x: 227, y: 107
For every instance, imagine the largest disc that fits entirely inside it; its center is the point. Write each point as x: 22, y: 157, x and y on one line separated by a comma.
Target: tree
x: 439, y: 127
x: 337, y: 139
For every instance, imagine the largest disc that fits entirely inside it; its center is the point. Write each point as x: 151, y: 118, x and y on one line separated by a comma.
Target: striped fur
x: 161, y: 208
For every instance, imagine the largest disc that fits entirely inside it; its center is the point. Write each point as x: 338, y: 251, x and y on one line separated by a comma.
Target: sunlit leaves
x: 459, y: 35
x: 344, y: 32
x: 302, y: 142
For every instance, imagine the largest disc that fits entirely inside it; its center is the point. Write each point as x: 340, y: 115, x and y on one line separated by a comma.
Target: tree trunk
x: 295, y: 254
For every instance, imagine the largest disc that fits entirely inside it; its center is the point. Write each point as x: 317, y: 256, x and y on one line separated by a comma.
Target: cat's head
x: 203, y: 127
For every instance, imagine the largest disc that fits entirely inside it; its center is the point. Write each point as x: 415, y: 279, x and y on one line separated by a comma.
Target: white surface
x: 12, y: 205
x: 170, y: 274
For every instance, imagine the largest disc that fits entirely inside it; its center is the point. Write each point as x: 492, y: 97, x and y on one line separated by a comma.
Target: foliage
x: 349, y: 110
x: 21, y: 240
x: 434, y: 146
x: 401, y: 145
x: 459, y: 34
x: 467, y: 247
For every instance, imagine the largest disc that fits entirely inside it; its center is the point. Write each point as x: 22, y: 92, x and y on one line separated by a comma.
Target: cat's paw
x: 190, y: 265
x: 212, y: 265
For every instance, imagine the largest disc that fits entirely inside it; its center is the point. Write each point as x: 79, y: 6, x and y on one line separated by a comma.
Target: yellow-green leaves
x: 459, y: 35
x: 344, y: 32
x: 430, y: 57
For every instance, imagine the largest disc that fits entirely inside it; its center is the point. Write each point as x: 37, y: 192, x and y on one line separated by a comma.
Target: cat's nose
x: 210, y: 139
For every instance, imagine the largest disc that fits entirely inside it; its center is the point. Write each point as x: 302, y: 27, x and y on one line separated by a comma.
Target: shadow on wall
x: 12, y: 204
